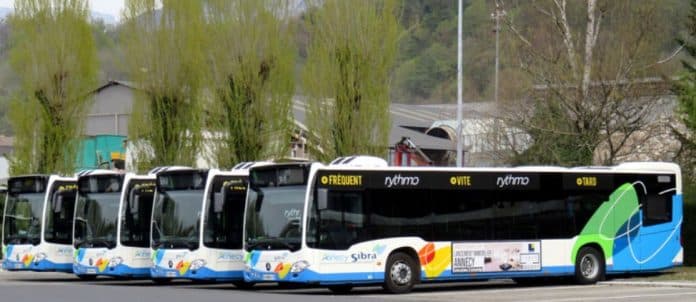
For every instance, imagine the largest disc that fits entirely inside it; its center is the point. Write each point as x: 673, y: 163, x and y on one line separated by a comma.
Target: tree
x: 253, y: 59
x: 686, y: 91
x: 165, y: 55
x: 589, y: 60
x: 54, y: 55
x: 346, y: 78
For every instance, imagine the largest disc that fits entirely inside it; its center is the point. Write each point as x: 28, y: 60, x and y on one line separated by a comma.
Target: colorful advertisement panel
x: 495, y: 257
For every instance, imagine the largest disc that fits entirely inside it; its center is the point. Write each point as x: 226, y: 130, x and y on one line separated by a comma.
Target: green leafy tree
x: 164, y: 48
x: 588, y: 59
x: 351, y: 52
x: 253, y: 59
x: 686, y: 90
x: 53, y: 53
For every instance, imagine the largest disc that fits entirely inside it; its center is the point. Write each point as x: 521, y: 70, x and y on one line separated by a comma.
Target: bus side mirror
x: 135, y: 201
x: 219, y: 200
x: 57, y: 203
x: 322, y: 199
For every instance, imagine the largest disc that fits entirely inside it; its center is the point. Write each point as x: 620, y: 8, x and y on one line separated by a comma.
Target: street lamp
x: 459, y: 87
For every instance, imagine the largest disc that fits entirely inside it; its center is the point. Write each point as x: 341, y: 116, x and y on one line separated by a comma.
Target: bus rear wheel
x: 589, y: 266
x: 401, y: 273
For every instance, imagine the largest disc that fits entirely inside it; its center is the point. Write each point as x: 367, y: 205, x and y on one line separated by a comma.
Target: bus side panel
x: 606, y: 228
x: 661, y: 242
x: 617, y: 227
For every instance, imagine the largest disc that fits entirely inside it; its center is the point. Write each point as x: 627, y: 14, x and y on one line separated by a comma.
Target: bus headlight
x: 197, y: 264
x: 299, y: 266
x: 39, y: 257
x: 115, y: 261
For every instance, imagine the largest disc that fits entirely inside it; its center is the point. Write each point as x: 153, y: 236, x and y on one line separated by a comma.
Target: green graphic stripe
x: 603, y: 226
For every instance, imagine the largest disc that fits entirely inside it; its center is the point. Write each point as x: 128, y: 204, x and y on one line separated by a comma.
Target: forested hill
x: 425, y: 70
x: 427, y: 63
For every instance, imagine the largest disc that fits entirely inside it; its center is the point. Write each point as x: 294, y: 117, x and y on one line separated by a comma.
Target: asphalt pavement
x: 58, y: 287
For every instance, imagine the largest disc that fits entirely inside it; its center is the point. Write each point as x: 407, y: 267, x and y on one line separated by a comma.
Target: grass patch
x: 684, y: 273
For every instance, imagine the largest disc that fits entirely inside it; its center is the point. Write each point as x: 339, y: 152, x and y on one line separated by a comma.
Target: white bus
x: 355, y: 222
x: 37, y: 223
x: 197, y: 225
x: 112, y: 224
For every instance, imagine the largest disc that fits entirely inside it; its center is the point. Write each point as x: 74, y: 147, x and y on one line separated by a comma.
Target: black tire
x: 162, y: 281
x: 400, y: 274
x: 243, y: 284
x: 340, y: 289
x: 589, y: 266
x: 87, y: 277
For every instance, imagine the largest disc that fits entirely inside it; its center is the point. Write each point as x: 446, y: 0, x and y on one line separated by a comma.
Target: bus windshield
x: 23, y: 218
x: 96, y: 218
x: 175, y: 219
x: 273, y: 218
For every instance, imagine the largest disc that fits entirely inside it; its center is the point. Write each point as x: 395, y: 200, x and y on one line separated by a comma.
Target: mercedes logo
x: 171, y: 264
x: 90, y: 261
x: 268, y: 266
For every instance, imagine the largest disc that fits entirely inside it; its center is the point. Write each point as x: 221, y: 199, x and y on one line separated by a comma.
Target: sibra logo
x: 398, y: 180
x: 510, y: 180
x: 360, y: 256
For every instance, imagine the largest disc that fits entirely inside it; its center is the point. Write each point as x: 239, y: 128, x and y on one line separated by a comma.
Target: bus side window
x: 657, y: 209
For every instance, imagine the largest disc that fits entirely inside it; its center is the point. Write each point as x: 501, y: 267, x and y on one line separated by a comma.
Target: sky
x: 111, y: 7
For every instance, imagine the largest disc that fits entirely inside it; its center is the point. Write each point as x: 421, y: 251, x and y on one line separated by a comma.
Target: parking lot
x: 30, y: 286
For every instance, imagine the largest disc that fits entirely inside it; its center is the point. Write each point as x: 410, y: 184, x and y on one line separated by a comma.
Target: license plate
x: 18, y: 265
x: 171, y: 274
x: 91, y: 271
x: 268, y: 277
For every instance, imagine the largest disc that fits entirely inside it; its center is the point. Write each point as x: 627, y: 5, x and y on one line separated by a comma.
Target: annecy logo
x: 404, y: 181
x: 512, y: 181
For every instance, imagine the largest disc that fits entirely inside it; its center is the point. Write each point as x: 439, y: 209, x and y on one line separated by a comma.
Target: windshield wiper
x: 174, y: 244
x: 97, y: 242
x: 22, y: 239
x: 269, y: 244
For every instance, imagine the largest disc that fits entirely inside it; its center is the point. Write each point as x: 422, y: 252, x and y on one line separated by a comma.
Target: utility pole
x: 497, y: 128
x: 459, y: 87
x: 496, y: 15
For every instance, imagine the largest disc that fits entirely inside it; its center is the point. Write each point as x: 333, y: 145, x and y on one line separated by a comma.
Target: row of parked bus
x: 352, y: 222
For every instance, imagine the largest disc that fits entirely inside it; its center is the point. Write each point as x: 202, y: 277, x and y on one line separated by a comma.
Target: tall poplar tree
x: 53, y: 53
x: 252, y: 56
x: 164, y: 47
x: 351, y: 53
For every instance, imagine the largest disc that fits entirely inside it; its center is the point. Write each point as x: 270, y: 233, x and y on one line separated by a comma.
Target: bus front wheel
x: 340, y: 289
x: 589, y: 266
x: 162, y: 281
x: 400, y: 274
x: 87, y: 277
x: 243, y: 284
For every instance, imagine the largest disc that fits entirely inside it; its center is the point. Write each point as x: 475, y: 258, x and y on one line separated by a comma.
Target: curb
x: 684, y: 284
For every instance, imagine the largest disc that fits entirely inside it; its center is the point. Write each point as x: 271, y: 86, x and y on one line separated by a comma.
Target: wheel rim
x: 400, y: 273
x: 589, y: 266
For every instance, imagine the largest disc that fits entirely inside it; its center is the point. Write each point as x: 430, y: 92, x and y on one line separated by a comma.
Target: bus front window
x: 96, y: 220
x: 23, y: 218
x: 273, y: 218
x: 175, y: 219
